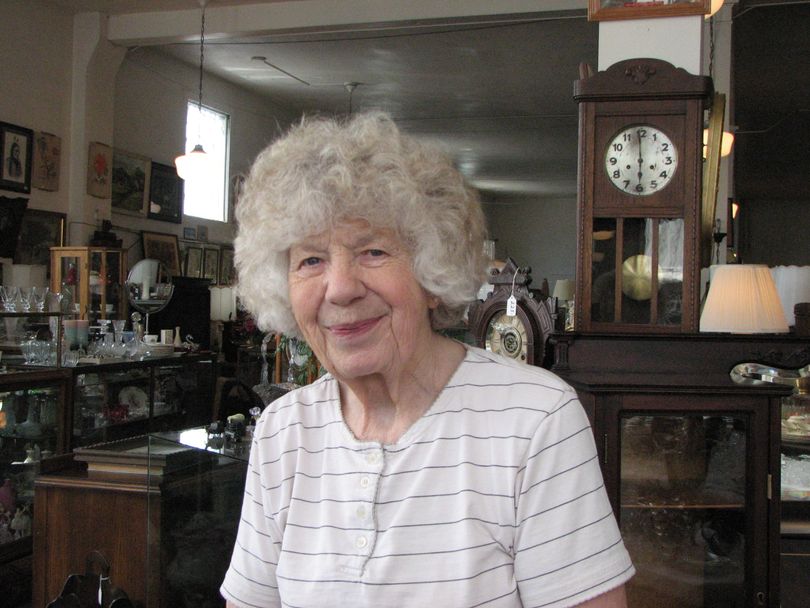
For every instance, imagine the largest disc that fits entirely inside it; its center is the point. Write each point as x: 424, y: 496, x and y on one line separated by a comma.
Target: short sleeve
x: 568, y: 548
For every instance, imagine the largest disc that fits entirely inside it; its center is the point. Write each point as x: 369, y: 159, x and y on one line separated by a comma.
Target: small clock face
x: 507, y: 336
x: 641, y: 160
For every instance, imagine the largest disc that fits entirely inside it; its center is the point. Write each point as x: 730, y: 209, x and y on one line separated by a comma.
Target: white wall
x: 538, y: 233
x: 151, y: 93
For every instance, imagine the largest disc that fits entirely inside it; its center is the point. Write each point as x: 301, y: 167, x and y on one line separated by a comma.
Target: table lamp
x: 742, y: 299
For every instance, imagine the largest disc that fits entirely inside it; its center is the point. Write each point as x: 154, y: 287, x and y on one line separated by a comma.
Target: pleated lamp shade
x: 743, y: 299
x: 563, y: 290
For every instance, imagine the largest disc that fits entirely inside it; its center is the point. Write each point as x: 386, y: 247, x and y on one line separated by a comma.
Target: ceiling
x: 496, y: 92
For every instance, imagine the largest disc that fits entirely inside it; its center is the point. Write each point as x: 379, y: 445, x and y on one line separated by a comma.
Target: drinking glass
x: 25, y: 298
x: 38, y: 298
x: 9, y: 296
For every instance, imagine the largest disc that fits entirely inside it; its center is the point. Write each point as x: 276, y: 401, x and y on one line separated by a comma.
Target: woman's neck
x: 381, y: 408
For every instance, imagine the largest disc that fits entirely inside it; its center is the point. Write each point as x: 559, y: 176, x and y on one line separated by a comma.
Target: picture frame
x: 130, y: 183
x: 16, y: 149
x: 40, y: 230
x: 211, y: 264
x: 99, y: 170
x: 12, y: 211
x: 165, y: 194
x: 227, y: 271
x: 190, y: 233
x: 202, y: 232
x: 164, y: 248
x: 47, y: 159
x: 607, y: 10
x: 194, y: 257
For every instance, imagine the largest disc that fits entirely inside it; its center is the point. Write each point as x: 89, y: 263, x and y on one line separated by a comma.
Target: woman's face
x: 356, y: 301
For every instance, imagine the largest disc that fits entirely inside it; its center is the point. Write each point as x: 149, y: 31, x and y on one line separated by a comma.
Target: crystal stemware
x: 39, y: 296
x: 9, y: 295
x: 25, y: 298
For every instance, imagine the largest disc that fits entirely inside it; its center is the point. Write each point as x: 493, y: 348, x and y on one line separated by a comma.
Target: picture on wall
x: 47, y: 155
x: 165, y: 194
x: 164, y: 248
x: 12, y: 211
x: 40, y: 230
x: 227, y: 272
x: 130, y: 183
x: 16, y: 147
x: 194, y: 257
x: 99, y: 170
x: 211, y: 264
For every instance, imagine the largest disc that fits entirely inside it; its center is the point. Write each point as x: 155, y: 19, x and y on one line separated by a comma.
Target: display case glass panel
x: 683, y: 500
x: 91, y: 281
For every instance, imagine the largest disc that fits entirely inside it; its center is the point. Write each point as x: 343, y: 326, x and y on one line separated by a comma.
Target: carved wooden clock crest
x: 639, y: 195
x: 521, y: 336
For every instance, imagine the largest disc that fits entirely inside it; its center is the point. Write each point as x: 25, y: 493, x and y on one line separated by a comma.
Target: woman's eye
x: 375, y: 253
x: 310, y: 261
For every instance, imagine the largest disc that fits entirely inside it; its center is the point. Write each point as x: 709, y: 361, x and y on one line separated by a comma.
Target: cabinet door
x: 688, y: 478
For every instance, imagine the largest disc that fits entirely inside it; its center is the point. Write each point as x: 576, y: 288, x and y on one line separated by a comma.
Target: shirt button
x: 365, y: 482
x: 372, y: 457
x: 361, y: 542
x: 361, y: 512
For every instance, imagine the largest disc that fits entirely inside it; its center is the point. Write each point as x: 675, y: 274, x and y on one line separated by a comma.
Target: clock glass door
x: 683, y: 506
x: 637, y: 271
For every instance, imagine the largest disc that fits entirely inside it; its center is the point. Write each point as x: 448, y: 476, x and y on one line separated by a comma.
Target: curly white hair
x: 326, y: 171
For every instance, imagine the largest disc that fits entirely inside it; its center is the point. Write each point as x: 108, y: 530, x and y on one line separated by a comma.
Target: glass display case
x: 91, y: 281
x: 30, y: 339
x: 32, y: 406
x: 112, y: 401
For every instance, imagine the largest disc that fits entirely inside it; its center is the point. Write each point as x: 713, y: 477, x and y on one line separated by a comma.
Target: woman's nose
x: 344, y: 284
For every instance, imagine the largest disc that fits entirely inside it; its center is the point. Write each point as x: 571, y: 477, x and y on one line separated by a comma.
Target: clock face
x: 507, y: 336
x: 641, y: 160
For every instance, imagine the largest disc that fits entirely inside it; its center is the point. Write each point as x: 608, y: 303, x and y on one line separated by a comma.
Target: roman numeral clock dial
x: 641, y: 160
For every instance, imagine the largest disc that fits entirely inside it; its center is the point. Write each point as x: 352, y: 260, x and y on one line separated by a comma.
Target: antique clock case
x: 638, y: 233
x: 522, y: 337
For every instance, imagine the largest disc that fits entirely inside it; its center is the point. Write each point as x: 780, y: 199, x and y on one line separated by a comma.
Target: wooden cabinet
x: 91, y: 280
x: 691, y: 460
x: 168, y: 540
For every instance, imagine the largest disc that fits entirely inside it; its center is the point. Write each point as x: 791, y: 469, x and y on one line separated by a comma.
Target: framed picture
x: 164, y: 248
x: 194, y: 257
x: 130, y: 183
x: 202, y: 233
x: 227, y: 272
x: 40, y: 230
x: 211, y: 264
x: 16, y: 148
x: 47, y: 155
x: 165, y: 194
x: 605, y: 10
x: 99, y: 170
x: 190, y: 232
x: 12, y: 211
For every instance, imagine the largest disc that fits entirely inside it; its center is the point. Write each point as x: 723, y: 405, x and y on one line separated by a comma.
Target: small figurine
x: 21, y: 523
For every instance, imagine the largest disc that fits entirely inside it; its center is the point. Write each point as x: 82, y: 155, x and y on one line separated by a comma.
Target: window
x: 206, y: 196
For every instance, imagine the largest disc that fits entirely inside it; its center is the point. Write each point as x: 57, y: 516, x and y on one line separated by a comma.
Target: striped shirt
x: 494, y: 497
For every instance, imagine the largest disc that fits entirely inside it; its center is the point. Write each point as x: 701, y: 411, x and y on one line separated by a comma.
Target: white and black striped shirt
x: 493, y: 498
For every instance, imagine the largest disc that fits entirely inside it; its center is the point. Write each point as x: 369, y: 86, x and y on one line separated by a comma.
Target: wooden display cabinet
x: 691, y: 459
x: 91, y: 280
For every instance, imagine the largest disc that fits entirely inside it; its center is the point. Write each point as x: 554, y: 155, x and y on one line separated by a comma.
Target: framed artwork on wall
x: 211, y: 264
x: 190, y: 232
x: 165, y: 194
x: 163, y: 248
x: 16, y: 148
x: 47, y: 155
x: 12, y: 211
x: 227, y: 272
x: 130, y: 183
x: 40, y: 230
x: 605, y: 10
x: 193, y: 262
x: 99, y: 170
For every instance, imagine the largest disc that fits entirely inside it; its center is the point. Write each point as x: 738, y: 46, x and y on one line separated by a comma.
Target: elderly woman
x: 418, y: 471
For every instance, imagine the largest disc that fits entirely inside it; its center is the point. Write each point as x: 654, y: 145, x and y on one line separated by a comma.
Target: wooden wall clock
x: 639, y: 195
x: 522, y: 336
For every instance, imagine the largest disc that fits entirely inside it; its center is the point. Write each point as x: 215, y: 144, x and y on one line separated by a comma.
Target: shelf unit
x: 93, y: 279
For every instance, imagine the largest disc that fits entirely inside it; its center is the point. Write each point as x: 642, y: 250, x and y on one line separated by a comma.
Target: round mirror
x: 148, y: 287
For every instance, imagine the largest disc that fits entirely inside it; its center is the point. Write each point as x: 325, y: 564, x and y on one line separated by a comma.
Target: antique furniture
x: 691, y: 459
x: 189, y: 308
x: 639, y: 195
x: 91, y: 281
x: 519, y: 330
x: 168, y: 534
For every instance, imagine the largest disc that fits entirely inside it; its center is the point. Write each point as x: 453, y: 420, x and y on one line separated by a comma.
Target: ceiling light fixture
x: 195, y: 162
x: 715, y: 6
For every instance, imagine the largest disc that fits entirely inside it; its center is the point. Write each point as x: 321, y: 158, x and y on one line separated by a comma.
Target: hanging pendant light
x: 195, y: 162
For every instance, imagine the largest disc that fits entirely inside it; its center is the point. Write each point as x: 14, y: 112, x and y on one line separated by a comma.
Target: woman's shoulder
x: 304, y: 400
x: 483, y: 366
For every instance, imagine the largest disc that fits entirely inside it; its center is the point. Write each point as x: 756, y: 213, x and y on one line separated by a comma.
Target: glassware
x: 25, y: 298
x: 9, y: 295
x: 39, y: 297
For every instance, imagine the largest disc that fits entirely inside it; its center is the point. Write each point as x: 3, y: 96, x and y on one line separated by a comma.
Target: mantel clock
x: 521, y: 336
x: 639, y: 196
